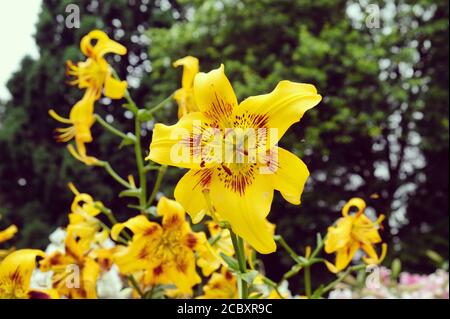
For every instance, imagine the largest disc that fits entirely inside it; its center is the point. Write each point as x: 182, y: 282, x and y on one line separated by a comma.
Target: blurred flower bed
x: 405, y: 286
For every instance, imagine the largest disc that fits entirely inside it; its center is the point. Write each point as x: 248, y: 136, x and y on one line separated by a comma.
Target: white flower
x: 57, y: 239
x: 41, y: 280
x: 110, y: 285
x: 340, y: 294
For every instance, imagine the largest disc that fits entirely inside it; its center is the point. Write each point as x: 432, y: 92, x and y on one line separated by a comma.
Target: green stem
x: 307, y: 273
x: 273, y: 285
x: 149, y: 293
x: 320, y: 244
x: 238, y: 245
x: 294, y: 271
x: 131, y: 105
x: 113, y: 220
x: 159, y: 178
x: 161, y: 104
x: 137, y: 146
x: 119, y: 239
x: 140, y: 164
x: 342, y: 277
x: 135, y: 285
x: 291, y: 252
x: 113, y: 174
x: 113, y: 130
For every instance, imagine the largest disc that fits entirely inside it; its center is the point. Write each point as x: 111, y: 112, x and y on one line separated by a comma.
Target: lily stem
x: 113, y: 220
x: 342, y: 277
x: 112, y: 129
x: 161, y: 104
x: 307, y: 273
x: 135, y: 285
x: 113, y: 174
x: 291, y: 252
x: 140, y: 164
x: 238, y: 245
x: 161, y: 171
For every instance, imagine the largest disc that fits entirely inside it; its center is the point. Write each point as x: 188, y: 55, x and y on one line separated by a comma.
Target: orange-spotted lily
x: 82, y: 219
x: 185, y: 95
x: 209, y: 258
x: 95, y: 74
x: 221, y: 285
x: 15, y: 276
x: 238, y: 191
x: 165, y: 253
x: 351, y: 233
x: 8, y: 233
x: 75, y: 272
x: 80, y: 121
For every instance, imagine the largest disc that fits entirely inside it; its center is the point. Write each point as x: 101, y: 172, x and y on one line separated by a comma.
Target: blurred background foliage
x: 381, y: 131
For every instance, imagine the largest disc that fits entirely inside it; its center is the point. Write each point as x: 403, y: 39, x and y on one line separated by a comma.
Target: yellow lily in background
x: 81, y: 119
x: 8, y: 233
x: 185, y: 95
x: 209, y: 259
x: 165, y: 253
x: 239, y: 193
x: 82, y: 219
x: 94, y: 73
x: 221, y: 285
x: 75, y: 273
x: 15, y: 276
x: 351, y: 233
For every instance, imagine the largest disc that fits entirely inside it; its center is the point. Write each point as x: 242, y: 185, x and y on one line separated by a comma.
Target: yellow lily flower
x: 75, y: 272
x: 15, y: 276
x: 209, y: 259
x: 8, y: 233
x: 82, y: 219
x: 165, y: 253
x: 185, y: 95
x: 221, y: 285
x: 240, y: 191
x: 81, y: 119
x: 351, y: 233
x: 104, y: 257
x: 94, y: 73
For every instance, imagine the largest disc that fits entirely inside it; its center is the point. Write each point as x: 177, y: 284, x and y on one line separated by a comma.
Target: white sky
x: 17, y: 20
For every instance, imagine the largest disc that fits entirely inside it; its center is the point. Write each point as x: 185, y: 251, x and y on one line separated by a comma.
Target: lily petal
x: 215, y: 96
x: 8, y: 233
x: 114, y: 89
x: 139, y: 225
x: 284, y: 106
x: 179, y: 144
x: 16, y: 270
x: 172, y: 212
x: 188, y: 193
x: 290, y: 176
x: 104, y: 45
x: 190, y: 66
x: 246, y: 212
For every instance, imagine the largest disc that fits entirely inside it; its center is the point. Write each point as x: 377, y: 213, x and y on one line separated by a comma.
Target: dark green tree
x: 34, y: 168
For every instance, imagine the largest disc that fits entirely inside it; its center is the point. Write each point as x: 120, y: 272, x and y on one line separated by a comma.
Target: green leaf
x: 248, y: 276
x: 145, y: 115
x: 135, y: 192
x: 255, y: 296
x: 318, y: 292
x: 231, y: 262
